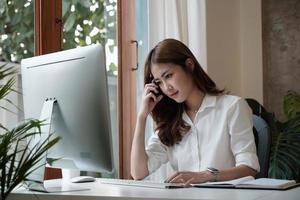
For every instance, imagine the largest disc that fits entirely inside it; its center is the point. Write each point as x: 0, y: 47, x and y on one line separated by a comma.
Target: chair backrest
x: 259, y: 110
x: 263, y: 124
x: 262, y: 137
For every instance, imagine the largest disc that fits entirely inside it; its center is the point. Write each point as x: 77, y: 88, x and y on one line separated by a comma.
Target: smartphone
x: 158, y: 88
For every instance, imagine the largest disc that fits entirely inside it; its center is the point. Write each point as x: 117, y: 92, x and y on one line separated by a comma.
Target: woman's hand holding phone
x: 151, y: 96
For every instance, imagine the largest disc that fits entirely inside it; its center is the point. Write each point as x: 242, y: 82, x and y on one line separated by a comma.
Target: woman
x: 205, y: 134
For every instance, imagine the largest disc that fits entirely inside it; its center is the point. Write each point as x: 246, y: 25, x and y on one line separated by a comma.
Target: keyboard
x: 144, y: 183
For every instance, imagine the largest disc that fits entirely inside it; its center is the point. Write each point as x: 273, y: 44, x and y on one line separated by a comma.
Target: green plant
x: 18, y: 158
x: 285, y: 149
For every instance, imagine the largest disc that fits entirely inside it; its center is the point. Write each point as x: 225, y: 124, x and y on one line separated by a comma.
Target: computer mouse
x: 83, y: 179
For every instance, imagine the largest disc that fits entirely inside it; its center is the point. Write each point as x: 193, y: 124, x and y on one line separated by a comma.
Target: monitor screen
x: 77, y: 79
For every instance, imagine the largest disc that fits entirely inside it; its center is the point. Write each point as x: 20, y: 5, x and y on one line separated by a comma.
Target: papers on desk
x: 249, y: 182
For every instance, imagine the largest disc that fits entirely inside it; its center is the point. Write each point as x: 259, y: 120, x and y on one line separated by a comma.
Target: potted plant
x: 285, y: 148
x: 18, y: 158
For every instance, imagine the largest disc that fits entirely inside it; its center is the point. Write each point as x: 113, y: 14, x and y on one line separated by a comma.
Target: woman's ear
x: 190, y: 64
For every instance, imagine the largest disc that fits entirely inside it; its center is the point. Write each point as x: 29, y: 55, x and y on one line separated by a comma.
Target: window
x: 62, y: 24
x: 16, y: 42
x: 16, y: 30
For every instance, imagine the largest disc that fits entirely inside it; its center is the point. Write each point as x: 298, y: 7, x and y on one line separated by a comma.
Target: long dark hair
x: 167, y: 114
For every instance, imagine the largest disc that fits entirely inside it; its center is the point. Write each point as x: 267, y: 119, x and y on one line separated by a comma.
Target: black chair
x: 262, y: 135
x: 260, y: 111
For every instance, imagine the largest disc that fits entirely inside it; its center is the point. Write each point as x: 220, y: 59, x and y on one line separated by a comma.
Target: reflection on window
x: 16, y: 30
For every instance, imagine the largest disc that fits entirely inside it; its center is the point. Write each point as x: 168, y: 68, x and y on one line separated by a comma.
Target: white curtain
x: 180, y: 19
x: 183, y: 20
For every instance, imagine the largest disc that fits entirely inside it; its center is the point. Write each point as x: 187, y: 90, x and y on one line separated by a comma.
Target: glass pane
x: 142, y: 37
x: 16, y: 30
x: 94, y: 21
x: 16, y: 42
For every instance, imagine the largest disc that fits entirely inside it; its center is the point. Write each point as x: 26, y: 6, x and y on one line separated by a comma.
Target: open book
x: 249, y: 182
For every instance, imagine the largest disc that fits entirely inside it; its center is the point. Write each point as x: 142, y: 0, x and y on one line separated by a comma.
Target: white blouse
x: 220, y: 137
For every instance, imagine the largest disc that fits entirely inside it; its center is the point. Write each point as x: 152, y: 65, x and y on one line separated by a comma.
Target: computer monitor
x: 77, y: 80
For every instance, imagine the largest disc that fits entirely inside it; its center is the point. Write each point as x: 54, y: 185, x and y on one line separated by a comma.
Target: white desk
x: 104, y: 191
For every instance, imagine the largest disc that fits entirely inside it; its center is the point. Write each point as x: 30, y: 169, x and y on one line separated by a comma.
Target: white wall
x: 234, y: 46
x: 251, y: 49
x: 223, y: 51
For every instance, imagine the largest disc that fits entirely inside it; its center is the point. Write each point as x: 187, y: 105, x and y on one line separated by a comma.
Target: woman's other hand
x: 188, y: 177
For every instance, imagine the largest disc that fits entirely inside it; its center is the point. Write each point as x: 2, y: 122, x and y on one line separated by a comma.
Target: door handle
x: 137, y: 55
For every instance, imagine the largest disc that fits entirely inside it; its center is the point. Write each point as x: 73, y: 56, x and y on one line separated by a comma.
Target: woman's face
x: 173, y: 81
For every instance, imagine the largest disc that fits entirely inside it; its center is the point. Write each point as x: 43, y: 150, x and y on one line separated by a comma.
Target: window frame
x: 48, y: 26
x: 126, y: 83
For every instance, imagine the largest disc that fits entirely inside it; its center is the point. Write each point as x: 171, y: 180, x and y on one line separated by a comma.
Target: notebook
x: 249, y: 182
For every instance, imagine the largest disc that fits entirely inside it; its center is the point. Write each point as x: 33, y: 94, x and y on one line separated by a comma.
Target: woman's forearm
x: 139, y: 158
x: 188, y: 177
x: 235, y: 172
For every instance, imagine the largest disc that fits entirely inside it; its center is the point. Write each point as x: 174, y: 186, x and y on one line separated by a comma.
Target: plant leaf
x: 69, y: 23
x: 285, y: 150
x: 6, y: 88
x: 291, y: 104
x: 19, y: 169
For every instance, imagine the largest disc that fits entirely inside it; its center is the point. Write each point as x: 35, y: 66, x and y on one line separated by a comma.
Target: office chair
x: 262, y: 137
x: 259, y: 110
x: 262, y: 134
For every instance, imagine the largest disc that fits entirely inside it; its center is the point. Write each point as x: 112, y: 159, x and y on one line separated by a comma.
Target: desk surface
x: 105, y: 191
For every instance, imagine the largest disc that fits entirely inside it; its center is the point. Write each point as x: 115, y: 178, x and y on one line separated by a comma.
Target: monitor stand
x: 35, y: 180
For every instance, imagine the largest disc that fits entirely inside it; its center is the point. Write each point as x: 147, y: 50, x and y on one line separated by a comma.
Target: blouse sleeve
x: 157, y: 153
x: 242, y: 137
